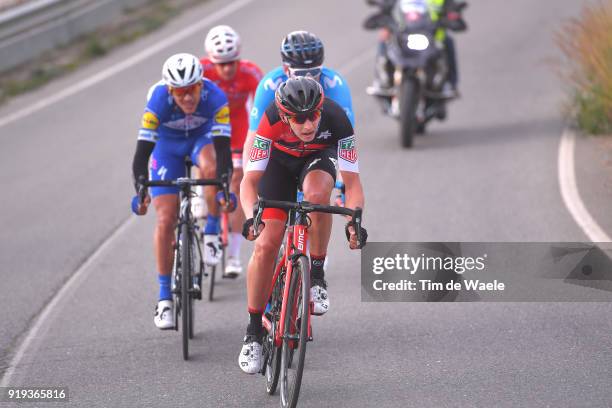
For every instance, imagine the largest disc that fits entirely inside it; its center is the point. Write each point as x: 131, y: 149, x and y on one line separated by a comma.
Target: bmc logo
x: 300, y: 244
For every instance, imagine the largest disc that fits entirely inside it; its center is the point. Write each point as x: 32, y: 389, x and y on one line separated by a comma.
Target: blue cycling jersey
x: 334, y: 87
x: 177, y: 135
x: 163, y: 119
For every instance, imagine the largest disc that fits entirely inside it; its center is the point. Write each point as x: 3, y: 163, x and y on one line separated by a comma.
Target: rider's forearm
x: 248, y: 193
x: 353, y: 190
x: 224, y: 157
x: 140, y: 162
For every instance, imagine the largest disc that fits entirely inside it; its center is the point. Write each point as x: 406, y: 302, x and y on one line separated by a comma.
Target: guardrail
x: 28, y: 30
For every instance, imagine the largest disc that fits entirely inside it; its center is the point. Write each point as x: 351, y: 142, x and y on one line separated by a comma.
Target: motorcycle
x: 412, y: 63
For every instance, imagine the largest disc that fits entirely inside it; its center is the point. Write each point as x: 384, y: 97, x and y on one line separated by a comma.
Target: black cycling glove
x: 363, y: 234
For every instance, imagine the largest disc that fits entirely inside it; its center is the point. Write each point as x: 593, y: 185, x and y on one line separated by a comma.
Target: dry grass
x: 586, y: 42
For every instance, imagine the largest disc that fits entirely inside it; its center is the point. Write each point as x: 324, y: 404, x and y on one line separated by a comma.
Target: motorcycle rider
x: 448, y: 13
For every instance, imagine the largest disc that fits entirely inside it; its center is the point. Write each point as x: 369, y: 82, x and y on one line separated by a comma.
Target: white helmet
x: 182, y: 70
x: 222, y: 44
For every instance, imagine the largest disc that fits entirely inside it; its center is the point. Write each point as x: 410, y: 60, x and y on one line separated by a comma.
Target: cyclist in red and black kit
x: 300, y: 140
x: 238, y: 78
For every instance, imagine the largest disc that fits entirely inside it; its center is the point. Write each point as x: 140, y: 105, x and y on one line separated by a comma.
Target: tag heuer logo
x: 260, y: 149
x: 347, y: 150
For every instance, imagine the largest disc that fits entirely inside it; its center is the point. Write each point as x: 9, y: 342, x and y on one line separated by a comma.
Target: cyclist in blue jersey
x: 185, y: 116
x: 302, y: 54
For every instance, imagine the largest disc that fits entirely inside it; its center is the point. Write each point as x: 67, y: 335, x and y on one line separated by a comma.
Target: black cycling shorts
x: 285, y: 173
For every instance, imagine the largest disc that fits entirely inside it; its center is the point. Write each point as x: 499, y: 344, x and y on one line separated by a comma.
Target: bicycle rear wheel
x: 186, y: 304
x: 295, y: 333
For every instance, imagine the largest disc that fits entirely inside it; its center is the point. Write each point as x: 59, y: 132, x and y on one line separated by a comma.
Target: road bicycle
x: 287, y: 317
x: 188, y: 265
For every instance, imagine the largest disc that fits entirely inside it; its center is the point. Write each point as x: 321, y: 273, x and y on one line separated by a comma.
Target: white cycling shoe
x: 212, y: 249
x: 250, y: 358
x: 319, y: 298
x: 164, y: 315
x: 233, y: 269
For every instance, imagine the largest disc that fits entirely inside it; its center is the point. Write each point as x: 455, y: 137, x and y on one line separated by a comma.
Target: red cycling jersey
x: 238, y: 90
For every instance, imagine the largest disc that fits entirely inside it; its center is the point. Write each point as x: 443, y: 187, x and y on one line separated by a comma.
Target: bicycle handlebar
x: 306, y: 207
x: 181, y: 182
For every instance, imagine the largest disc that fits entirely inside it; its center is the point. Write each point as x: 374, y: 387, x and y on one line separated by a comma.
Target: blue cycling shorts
x: 168, y: 160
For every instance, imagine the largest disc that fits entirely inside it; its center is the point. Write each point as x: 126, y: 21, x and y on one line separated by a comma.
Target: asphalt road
x: 487, y: 174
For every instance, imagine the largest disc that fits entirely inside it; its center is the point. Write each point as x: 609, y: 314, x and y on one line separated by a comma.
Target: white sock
x: 235, y: 240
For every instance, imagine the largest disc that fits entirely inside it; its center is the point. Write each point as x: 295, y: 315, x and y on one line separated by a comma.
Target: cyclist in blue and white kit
x: 186, y: 116
x: 302, y: 54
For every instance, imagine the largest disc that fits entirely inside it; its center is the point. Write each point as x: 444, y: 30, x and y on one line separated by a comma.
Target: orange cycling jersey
x: 238, y: 90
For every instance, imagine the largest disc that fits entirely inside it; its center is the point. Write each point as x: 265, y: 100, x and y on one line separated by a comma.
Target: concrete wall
x: 36, y: 26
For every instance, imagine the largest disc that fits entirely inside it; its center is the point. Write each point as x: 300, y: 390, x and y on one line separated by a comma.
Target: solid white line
x: 125, y: 64
x: 70, y: 285
x: 569, y: 190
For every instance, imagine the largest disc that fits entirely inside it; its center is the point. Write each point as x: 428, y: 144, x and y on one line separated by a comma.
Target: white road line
x: 70, y: 285
x: 115, y: 69
x: 76, y: 279
x: 569, y: 190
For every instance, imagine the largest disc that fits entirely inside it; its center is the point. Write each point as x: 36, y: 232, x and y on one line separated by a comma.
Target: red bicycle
x: 287, y: 317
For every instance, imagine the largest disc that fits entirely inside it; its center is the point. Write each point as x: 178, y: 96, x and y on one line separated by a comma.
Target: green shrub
x: 586, y: 42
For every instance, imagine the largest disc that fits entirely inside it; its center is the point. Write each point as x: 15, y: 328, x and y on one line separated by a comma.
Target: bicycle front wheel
x: 273, y: 353
x: 186, y: 266
x: 295, y: 333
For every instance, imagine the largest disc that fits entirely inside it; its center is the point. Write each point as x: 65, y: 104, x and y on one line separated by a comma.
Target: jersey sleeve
x: 347, y: 144
x: 336, y: 88
x: 260, y: 151
x: 150, y: 121
x: 221, y: 117
x: 264, y: 95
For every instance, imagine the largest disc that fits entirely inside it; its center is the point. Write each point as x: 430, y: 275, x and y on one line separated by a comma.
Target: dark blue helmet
x: 301, y: 49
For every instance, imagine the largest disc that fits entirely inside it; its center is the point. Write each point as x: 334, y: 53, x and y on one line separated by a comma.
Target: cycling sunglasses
x: 301, y: 118
x: 313, y: 72
x: 180, y: 92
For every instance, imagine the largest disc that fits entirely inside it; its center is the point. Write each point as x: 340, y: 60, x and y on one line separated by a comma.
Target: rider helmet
x: 222, y: 44
x: 299, y: 95
x: 301, y: 49
x: 181, y: 70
